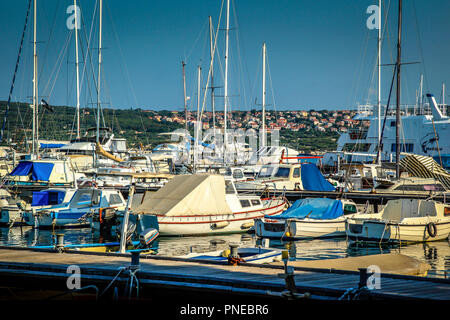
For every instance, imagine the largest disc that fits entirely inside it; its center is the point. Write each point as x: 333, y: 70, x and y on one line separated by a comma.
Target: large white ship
x: 424, y: 131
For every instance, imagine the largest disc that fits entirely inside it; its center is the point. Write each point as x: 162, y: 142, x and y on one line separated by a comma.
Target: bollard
x: 60, y: 242
x: 135, y: 260
x: 234, y: 250
x: 362, y: 277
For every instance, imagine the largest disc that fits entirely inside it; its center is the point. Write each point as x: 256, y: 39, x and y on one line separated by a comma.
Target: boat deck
x: 166, y: 276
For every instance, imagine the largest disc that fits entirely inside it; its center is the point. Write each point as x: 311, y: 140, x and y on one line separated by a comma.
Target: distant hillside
x: 142, y: 126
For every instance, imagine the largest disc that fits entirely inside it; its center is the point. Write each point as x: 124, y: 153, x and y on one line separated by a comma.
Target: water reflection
x: 437, y: 254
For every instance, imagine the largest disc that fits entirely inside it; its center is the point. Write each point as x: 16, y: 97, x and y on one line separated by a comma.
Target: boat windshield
x: 282, y: 172
x: 265, y: 172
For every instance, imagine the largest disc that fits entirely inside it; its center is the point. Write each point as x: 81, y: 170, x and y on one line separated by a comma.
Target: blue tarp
x: 317, y: 208
x: 51, y: 145
x: 41, y: 170
x: 22, y: 169
x: 47, y: 197
x: 313, y: 180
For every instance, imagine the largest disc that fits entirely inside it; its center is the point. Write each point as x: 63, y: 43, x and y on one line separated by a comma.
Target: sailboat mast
x: 35, y: 145
x: 226, y: 77
x: 263, y: 142
x: 99, y: 70
x: 379, y: 83
x: 397, y: 115
x: 198, y: 122
x: 185, y: 98
x: 211, y: 50
x: 77, y: 67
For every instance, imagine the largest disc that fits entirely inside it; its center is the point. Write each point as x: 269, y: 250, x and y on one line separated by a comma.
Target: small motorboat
x: 245, y: 254
x: 402, y: 221
x: 308, y: 218
x: 75, y: 211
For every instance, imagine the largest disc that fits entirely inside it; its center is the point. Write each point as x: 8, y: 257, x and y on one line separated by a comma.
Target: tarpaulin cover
x: 51, y: 145
x: 315, y: 208
x: 40, y: 198
x: 47, y: 197
x: 22, y: 169
x: 313, y: 180
x: 42, y: 171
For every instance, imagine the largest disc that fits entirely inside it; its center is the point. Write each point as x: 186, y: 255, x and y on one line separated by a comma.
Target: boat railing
x: 405, y: 109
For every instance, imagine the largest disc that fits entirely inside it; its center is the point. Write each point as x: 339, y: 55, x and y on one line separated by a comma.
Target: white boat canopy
x: 187, y: 195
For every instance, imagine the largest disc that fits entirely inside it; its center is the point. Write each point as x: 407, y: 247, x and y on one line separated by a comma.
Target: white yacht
x: 424, y: 131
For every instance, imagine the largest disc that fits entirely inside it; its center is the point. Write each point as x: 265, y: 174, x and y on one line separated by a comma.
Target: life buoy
x: 432, y: 229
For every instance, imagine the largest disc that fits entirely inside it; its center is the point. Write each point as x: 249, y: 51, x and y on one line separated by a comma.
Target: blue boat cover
x: 314, y: 208
x: 47, y: 197
x: 313, y: 180
x: 22, y: 169
x: 51, y: 145
x: 41, y: 170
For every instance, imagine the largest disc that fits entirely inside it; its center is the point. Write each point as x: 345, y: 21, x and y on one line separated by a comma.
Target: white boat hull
x: 215, y: 224
x: 381, y: 231
x: 300, y: 229
x: 311, y: 228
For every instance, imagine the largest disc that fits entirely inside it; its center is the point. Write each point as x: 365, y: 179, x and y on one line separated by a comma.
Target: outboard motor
x: 147, y: 236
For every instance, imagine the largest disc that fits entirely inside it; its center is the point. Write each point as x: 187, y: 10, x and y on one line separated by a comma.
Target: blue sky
x: 321, y: 54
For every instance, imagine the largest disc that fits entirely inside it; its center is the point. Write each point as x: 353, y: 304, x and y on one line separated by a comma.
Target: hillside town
x: 297, y: 120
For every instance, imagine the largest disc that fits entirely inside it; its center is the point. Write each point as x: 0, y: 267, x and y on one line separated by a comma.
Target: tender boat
x: 201, y: 204
x: 308, y: 218
x: 403, y: 220
x: 74, y: 212
x: 247, y: 255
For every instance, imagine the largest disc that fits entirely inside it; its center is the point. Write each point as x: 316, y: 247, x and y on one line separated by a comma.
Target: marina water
x: 437, y: 254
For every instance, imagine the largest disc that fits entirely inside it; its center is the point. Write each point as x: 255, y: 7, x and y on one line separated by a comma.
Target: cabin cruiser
x: 73, y: 212
x: 402, y: 221
x: 202, y: 204
x: 308, y: 218
x: 290, y: 177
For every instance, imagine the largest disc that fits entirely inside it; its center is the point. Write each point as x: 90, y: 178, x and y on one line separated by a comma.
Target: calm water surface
x: 437, y: 254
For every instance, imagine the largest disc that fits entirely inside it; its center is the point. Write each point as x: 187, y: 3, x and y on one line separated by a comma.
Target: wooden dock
x: 158, y: 277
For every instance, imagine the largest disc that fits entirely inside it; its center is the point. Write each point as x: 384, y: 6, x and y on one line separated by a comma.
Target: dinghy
x: 256, y: 255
